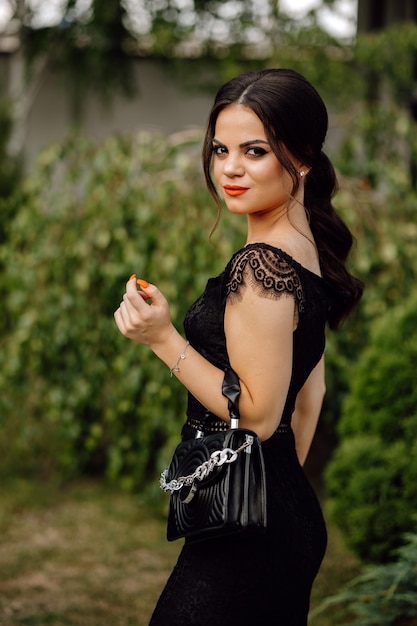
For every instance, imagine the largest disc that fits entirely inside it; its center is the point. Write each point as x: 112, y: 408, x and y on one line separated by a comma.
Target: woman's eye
x: 218, y: 149
x: 256, y: 151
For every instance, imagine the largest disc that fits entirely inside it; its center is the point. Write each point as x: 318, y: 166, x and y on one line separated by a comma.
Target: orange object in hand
x: 142, y: 283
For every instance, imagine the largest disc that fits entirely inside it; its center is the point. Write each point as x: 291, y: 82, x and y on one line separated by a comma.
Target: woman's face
x: 245, y: 168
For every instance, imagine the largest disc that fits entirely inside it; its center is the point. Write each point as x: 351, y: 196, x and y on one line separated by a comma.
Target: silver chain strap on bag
x: 217, y: 459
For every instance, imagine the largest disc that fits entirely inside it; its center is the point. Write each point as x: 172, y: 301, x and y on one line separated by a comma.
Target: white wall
x: 159, y: 104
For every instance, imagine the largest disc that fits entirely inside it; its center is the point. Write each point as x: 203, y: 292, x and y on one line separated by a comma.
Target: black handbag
x: 217, y: 481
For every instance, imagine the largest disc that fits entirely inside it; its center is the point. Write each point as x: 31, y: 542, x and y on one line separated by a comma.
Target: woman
x: 265, y: 317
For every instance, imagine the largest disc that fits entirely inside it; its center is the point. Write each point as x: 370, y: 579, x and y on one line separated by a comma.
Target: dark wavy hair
x: 295, y: 120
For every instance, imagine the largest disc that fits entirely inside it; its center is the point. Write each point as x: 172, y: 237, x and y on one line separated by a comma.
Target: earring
x: 302, y: 173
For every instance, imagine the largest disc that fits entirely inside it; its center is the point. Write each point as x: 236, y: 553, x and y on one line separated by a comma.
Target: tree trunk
x: 22, y: 89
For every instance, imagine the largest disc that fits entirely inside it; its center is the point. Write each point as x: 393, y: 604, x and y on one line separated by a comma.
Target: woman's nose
x: 233, y: 166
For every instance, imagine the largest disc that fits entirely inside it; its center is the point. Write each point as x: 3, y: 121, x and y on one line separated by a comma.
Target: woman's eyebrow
x: 244, y: 144
x: 253, y: 141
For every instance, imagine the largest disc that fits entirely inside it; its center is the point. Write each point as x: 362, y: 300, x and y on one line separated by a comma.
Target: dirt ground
x: 87, y: 557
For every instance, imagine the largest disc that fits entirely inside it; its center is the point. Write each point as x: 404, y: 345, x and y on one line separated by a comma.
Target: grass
x: 87, y: 555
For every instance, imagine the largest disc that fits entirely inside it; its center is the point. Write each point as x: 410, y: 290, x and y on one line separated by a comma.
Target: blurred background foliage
x: 75, y: 397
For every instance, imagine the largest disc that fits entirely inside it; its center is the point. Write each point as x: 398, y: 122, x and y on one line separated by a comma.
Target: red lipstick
x: 234, y: 190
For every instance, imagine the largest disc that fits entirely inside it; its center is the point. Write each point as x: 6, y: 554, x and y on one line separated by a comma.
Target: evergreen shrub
x: 384, y: 595
x: 372, y: 476
x: 75, y: 395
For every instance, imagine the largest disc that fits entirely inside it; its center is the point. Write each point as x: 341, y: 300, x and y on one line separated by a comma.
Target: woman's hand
x: 144, y: 315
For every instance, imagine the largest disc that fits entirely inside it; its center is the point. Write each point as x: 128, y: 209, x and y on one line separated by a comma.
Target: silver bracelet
x: 180, y: 358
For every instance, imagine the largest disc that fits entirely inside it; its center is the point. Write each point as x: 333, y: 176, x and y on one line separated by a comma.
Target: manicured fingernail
x: 142, y: 283
x: 133, y: 276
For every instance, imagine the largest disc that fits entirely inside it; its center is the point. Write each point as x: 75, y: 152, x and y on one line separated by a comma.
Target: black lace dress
x: 267, y: 579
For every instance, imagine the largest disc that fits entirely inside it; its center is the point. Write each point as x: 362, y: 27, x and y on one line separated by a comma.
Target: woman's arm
x: 259, y: 342
x: 259, y: 334
x: 307, y: 410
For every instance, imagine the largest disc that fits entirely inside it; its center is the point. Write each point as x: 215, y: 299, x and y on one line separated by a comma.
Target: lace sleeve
x: 270, y: 272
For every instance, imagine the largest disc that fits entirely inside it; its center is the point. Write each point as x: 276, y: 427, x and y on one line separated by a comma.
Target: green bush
x: 385, y: 595
x: 372, y: 476
x: 76, y: 396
